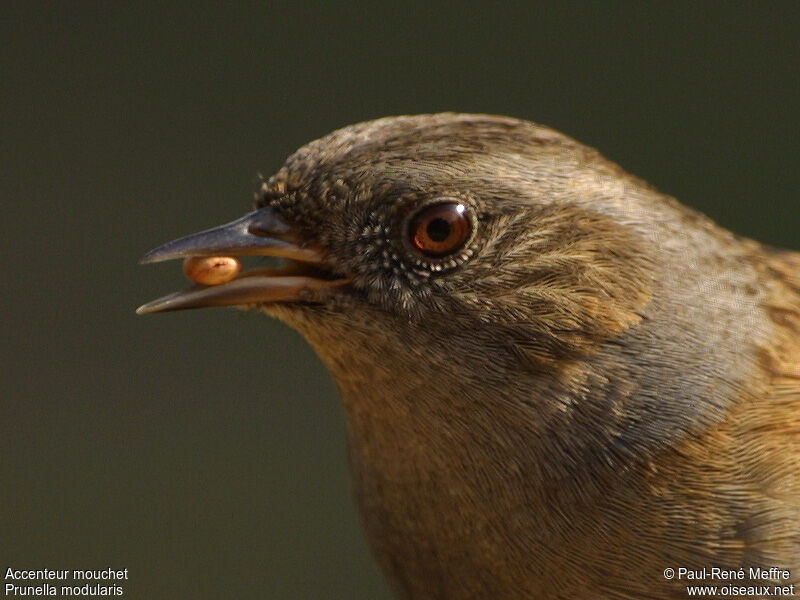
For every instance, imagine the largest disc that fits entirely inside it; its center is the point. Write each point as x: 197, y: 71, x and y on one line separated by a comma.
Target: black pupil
x: 438, y: 230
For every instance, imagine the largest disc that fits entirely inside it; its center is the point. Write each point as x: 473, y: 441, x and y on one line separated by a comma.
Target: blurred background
x: 205, y: 451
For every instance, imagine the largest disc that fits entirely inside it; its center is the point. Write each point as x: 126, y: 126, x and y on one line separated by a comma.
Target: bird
x: 558, y: 381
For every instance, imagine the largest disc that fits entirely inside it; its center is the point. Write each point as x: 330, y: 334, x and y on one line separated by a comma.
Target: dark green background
x: 205, y: 451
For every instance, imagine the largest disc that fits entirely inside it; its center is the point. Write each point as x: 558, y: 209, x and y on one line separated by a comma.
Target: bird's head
x: 467, y: 231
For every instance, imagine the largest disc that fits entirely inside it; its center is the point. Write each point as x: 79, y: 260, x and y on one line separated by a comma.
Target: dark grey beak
x: 261, y: 233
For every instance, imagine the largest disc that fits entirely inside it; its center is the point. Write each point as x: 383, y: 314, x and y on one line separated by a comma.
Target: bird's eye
x: 440, y: 229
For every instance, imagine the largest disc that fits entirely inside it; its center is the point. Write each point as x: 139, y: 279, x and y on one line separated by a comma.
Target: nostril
x: 265, y: 223
x: 259, y: 231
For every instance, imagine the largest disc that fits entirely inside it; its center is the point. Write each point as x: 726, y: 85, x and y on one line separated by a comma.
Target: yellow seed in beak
x: 211, y: 270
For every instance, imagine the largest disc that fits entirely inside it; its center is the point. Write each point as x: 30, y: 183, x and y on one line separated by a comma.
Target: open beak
x: 259, y: 233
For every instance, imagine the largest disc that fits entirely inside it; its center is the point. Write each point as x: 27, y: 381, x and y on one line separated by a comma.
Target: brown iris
x: 440, y: 229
